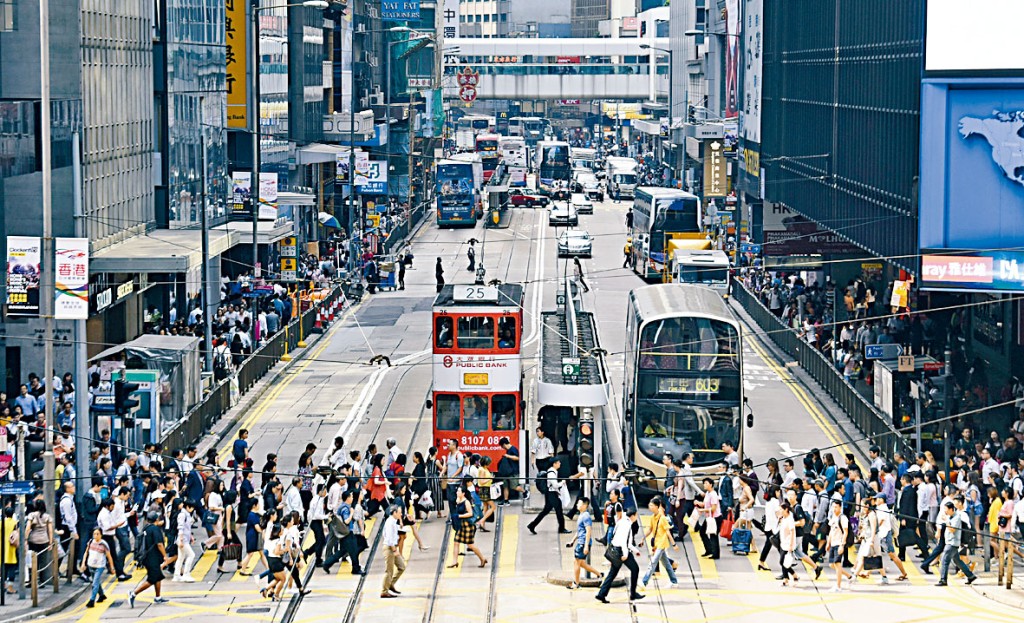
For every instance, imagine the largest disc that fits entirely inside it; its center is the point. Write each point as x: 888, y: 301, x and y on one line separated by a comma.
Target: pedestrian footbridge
x: 556, y: 69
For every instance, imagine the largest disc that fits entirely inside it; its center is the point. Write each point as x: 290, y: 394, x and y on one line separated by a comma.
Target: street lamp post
x: 254, y: 183
x: 671, y: 65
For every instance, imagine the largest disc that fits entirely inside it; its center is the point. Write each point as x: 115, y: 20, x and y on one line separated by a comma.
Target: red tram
x: 477, y: 370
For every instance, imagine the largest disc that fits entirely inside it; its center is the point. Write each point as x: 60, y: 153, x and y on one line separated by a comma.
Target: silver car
x: 563, y: 214
x: 575, y: 242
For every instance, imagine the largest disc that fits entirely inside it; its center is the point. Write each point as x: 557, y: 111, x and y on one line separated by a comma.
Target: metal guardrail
x: 201, y: 418
x: 869, y: 420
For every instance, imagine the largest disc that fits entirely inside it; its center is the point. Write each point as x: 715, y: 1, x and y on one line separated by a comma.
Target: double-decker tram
x: 683, y: 378
x: 476, y: 396
x: 487, y: 147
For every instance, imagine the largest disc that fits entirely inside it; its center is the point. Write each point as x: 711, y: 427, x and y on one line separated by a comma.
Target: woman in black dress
x: 465, y: 529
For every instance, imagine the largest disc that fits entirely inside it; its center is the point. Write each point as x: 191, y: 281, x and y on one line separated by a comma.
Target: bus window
x: 443, y: 332
x: 447, y: 406
x: 507, y: 332
x: 503, y: 406
x: 474, y: 413
x: 476, y: 332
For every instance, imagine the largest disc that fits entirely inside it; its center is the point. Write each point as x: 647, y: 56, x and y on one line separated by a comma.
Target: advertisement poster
x: 241, y: 191
x: 732, y: 53
x: 71, y: 275
x: 343, y: 163
x: 235, y: 38
x: 23, y: 272
x: 750, y: 111
x: 972, y: 164
x: 789, y: 233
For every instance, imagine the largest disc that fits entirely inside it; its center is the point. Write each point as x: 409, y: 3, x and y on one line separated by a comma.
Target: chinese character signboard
x: 973, y: 271
x: 716, y: 179
x: 71, y: 274
x: 450, y: 19
x: 23, y: 272
x: 235, y: 37
x: 374, y: 178
x: 468, y: 81
x: 399, y: 10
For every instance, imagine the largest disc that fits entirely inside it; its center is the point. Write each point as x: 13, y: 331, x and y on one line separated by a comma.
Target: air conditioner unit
x: 377, y: 99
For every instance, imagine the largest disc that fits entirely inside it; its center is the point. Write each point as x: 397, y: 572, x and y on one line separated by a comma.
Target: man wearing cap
x: 888, y: 526
x: 956, y: 523
x: 153, y: 556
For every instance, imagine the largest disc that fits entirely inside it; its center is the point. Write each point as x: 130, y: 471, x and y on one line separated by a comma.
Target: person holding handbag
x: 621, y: 554
x: 96, y: 560
x: 231, y: 549
x: 186, y: 555
x: 661, y: 539
x: 485, y: 480
x: 710, y: 511
x: 377, y: 487
x: 787, y: 543
x: 465, y: 530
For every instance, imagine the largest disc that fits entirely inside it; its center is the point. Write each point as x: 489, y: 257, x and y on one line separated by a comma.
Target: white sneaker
x: 835, y: 589
x: 674, y: 584
x: 187, y: 579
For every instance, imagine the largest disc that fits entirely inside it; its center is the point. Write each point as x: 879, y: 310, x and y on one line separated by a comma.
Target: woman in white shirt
x: 787, y: 543
x: 215, y: 504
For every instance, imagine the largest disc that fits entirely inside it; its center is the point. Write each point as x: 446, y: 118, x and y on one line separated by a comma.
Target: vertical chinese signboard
x: 236, y: 37
x: 716, y: 175
x: 450, y: 19
x: 23, y: 272
x: 71, y: 271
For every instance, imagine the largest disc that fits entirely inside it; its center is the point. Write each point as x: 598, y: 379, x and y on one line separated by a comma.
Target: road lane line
x: 204, y: 564
x: 509, y: 546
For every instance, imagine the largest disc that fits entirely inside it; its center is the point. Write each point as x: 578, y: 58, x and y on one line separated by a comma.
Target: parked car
x: 528, y: 200
x: 563, y: 214
x: 575, y: 242
x: 582, y: 204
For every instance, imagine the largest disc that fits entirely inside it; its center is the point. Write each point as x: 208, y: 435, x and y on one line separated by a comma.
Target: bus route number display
x: 678, y: 385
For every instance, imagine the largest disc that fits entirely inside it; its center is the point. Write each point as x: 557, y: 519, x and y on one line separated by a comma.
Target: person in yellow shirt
x: 627, y: 251
x: 10, y: 559
x: 660, y: 533
x: 996, y: 505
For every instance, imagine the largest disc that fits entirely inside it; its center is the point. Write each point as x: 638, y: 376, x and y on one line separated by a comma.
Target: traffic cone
x: 318, y: 326
x: 330, y: 312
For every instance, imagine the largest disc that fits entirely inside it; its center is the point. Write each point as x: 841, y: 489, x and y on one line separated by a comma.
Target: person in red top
x: 377, y: 486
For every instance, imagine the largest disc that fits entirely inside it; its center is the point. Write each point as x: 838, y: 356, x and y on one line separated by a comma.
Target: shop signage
x: 975, y: 270
x: 23, y: 273
x: 104, y: 299
x: 71, y: 279
x: 125, y: 289
x: 450, y: 17
x: 399, y: 10
x: 716, y: 175
x: 375, y: 178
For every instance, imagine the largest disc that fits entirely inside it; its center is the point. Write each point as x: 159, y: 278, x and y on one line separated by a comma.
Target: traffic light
x: 123, y: 402
x: 34, y: 458
x: 585, y: 444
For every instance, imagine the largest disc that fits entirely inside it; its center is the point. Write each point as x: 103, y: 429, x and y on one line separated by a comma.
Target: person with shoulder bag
x: 95, y: 561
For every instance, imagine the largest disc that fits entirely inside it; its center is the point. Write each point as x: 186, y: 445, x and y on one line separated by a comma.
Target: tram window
x: 474, y: 413
x: 447, y: 406
x: 503, y: 406
x: 507, y: 332
x: 476, y: 332
x: 443, y: 331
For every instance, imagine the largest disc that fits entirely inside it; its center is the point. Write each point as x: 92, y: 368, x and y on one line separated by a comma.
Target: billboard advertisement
x: 789, y: 233
x: 733, y: 24
x: 750, y: 112
x: 241, y: 190
x: 23, y: 274
x: 972, y: 164
x: 71, y: 278
x: 974, y: 40
x: 973, y: 270
x: 235, y: 38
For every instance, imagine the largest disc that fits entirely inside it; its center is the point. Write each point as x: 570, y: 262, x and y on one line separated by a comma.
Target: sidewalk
x: 16, y: 610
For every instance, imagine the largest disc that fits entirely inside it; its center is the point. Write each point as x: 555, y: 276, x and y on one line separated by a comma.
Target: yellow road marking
x: 452, y: 559
x: 915, y: 575
x: 509, y: 546
x: 755, y: 559
x: 708, y: 570
x: 798, y: 391
x: 204, y: 564
x: 345, y: 569
x: 238, y: 577
x: 251, y: 419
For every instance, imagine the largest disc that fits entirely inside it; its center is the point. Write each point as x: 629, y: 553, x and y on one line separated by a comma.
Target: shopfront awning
x: 161, y: 251
x: 268, y: 232
x: 319, y: 153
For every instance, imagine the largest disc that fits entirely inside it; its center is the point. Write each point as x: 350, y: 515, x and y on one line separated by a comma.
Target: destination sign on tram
x: 687, y: 385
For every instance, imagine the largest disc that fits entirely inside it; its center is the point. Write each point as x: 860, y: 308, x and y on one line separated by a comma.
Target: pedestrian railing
x: 201, y: 418
x: 870, y: 421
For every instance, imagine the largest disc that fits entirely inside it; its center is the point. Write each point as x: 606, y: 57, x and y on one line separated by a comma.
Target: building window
x: 6, y: 15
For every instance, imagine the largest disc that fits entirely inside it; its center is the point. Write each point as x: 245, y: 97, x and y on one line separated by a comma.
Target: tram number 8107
x: 480, y: 440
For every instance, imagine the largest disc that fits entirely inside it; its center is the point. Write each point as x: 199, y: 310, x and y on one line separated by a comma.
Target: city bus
x: 532, y: 129
x: 487, y: 147
x: 513, y: 153
x: 583, y: 157
x: 458, y: 194
x: 553, y: 169
x: 477, y: 389
x: 683, y: 380
x: 468, y: 127
x: 659, y: 215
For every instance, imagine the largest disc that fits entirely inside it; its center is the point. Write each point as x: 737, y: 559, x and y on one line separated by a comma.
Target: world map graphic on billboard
x: 1003, y: 132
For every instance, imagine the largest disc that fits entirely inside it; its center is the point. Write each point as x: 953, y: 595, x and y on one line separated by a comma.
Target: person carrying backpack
x: 549, y: 486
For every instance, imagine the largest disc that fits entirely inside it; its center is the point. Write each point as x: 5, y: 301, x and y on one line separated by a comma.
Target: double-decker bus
x: 458, y: 193
x: 532, y: 129
x: 553, y: 169
x: 476, y: 395
x: 513, y: 153
x: 659, y: 215
x: 487, y: 147
x: 683, y: 380
x: 468, y: 127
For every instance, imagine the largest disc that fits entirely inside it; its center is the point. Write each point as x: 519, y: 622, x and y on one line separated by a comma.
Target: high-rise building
x: 587, y: 14
x: 484, y: 18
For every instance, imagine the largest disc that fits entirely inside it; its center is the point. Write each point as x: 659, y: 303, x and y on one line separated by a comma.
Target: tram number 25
x: 479, y: 440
